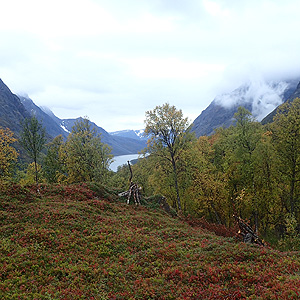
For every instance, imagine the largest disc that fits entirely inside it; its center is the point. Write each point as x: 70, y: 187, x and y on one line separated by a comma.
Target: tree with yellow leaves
x: 8, y: 154
x: 169, y: 135
x: 84, y: 155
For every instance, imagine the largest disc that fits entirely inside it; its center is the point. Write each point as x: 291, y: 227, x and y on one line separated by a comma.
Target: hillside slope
x: 56, y: 126
x: 271, y: 115
x: 51, y: 127
x: 12, y: 111
x: 259, y: 97
x: 79, y: 242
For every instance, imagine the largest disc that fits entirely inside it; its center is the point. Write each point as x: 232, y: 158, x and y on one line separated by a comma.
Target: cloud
x: 263, y: 96
x: 172, y: 68
x: 266, y: 97
x: 50, y: 19
x: 113, y: 60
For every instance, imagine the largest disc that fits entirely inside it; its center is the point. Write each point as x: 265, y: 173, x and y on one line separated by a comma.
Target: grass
x: 80, y: 242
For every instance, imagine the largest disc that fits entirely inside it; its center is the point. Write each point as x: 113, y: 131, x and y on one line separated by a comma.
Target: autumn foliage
x: 8, y: 154
x: 72, y: 242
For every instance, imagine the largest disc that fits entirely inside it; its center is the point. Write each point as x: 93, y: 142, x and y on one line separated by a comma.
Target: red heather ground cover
x: 71, y: 243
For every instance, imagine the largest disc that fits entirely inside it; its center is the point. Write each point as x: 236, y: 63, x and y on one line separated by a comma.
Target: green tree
x: 205, y: 185
x: 248, y: 138
x: 33, y: 140
x: 8, y: 154
x: 234, y: 150
x: 86, y: 158
x: 53, y: 166
x: 28, y: 176
x: 169, y: 136
x: 286, y: 139
x: 267, y: 183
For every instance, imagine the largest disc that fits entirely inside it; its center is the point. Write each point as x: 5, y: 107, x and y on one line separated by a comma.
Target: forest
x: 249, y: 169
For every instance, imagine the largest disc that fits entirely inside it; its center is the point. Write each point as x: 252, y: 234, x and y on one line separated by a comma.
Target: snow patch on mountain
x: 130, y: 133
x: 64, y: 128
x: 140, y: 133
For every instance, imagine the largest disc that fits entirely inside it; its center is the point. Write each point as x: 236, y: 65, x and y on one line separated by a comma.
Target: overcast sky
x: 112, y: 60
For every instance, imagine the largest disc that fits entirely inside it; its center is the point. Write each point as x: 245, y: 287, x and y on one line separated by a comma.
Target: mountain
x: 120, y: 145
x: 133, y: 134
x: 14, y: 109
x: 52, y: 128
x: 271, y: 115
x: 57, y: 120
x: 259, y: 97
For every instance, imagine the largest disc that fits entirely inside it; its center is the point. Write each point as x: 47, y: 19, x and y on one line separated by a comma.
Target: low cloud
x: 113, y: 60
x: 263, y: 96
x: 266, y: 97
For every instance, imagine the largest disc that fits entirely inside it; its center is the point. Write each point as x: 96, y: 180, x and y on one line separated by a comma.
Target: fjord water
x: 121, y: 160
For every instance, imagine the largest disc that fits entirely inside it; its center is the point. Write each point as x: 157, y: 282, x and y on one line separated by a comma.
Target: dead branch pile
x: 248, y: 234
x: 133, y: 190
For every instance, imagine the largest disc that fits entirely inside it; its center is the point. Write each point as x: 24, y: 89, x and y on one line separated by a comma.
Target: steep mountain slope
x: 72, y: 242
x: 270, y: 116
x: 260, y: 98
x: 56, y: 126
x: 214, y: 116
x: 120, y: 145
x: 52, y: 127
x: 12, y: 111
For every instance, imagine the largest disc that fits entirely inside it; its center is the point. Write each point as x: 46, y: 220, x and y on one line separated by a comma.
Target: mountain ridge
x: 14, y: 109
x: 134, y: 134
x: 51, y: 127
x: 259, y: 97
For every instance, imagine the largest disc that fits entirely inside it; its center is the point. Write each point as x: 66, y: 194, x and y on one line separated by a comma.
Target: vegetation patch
x: 67, y: 242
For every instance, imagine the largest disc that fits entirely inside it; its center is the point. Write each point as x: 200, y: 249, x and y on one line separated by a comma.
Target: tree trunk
x: 176, y: 183
x: 292, y: 188
x: 36, y: 172
x: 255, y: 206
x: 218, y: 219
x: 36, y: 176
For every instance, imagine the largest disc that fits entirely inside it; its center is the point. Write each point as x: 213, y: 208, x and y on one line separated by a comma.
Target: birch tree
x: 169, y: 135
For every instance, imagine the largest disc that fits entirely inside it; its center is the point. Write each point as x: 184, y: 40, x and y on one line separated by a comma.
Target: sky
x: 113, y: 60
